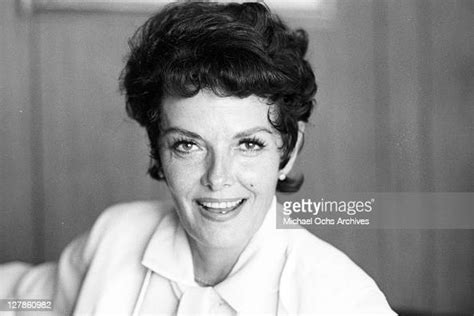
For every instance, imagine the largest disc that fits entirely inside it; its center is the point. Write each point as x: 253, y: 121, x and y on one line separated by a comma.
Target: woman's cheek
x: 259, y: 172
x: 183, y: 172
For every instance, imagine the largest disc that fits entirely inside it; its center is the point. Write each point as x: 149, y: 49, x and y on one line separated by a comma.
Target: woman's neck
x: 212, y: 265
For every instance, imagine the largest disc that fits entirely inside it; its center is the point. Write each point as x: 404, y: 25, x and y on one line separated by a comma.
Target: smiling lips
x: 220, y: 207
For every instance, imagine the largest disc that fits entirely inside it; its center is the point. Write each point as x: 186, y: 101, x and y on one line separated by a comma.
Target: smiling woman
x: 224, y: 92
x: 222, y: 174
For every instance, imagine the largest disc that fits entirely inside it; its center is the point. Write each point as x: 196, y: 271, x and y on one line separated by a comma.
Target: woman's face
x: 220, y: 158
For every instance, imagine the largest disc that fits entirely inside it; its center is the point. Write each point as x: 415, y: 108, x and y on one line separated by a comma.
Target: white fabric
x: 202, y: 301
x: 137, y: 257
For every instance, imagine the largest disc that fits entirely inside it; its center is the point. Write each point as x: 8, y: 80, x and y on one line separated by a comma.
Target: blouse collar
x: 254, y: 277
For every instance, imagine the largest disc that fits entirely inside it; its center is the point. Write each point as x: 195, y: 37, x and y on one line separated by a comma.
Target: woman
x: 224, y: 92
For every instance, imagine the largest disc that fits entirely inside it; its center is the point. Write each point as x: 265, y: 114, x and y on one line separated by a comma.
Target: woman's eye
x: 251, y: 145
x: 185, y: 147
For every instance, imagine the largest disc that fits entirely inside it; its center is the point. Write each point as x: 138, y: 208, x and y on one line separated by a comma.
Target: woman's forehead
x: 206, y: 111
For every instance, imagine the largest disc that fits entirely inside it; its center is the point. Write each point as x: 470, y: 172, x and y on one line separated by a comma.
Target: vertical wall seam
x: 383, y: 164
x: 382, y: 137
x: 424, y: 51
x: 424, y: 119
x: 37, y: 148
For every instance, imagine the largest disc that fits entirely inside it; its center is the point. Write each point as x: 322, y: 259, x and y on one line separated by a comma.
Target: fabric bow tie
x: 202, y: 301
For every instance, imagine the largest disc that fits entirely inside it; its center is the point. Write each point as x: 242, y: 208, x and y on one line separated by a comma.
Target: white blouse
x: 136, y: 261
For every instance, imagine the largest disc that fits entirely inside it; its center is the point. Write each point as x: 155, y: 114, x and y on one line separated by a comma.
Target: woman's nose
x: 218, y: 173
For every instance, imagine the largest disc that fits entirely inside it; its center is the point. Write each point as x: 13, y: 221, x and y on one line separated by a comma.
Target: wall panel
x: 16, y: 170
x: 93, y: 155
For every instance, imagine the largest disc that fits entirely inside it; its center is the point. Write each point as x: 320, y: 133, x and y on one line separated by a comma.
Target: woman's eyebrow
x: 252, y: 131
x: 180, y: 131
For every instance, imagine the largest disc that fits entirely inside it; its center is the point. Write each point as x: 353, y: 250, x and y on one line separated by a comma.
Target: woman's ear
x: 299, y: 143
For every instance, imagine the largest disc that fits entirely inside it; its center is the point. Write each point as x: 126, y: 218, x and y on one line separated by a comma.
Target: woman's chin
x: 217, y: 239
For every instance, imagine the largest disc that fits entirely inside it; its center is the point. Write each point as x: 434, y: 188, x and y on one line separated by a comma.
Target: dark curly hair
x: 230, y: 49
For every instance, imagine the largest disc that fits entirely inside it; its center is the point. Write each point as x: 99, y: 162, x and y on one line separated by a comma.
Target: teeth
x: 221, y: 205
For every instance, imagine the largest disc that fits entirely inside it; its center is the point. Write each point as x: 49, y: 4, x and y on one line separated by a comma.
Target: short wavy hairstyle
x: 230, y: 49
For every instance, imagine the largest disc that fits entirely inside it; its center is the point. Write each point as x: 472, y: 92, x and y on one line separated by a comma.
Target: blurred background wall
x: 395, y: 114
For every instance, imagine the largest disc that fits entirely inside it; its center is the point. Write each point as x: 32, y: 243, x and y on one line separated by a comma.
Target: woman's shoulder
x: 321, y: 277
x: 312, y: 255
x: 136, y: 212
x: 128, y: 224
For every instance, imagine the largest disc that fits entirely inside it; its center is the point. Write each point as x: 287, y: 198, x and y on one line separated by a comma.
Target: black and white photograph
x: 272, y: 157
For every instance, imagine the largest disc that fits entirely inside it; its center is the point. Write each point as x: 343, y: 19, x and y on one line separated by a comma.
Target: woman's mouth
x: 220, y: 210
